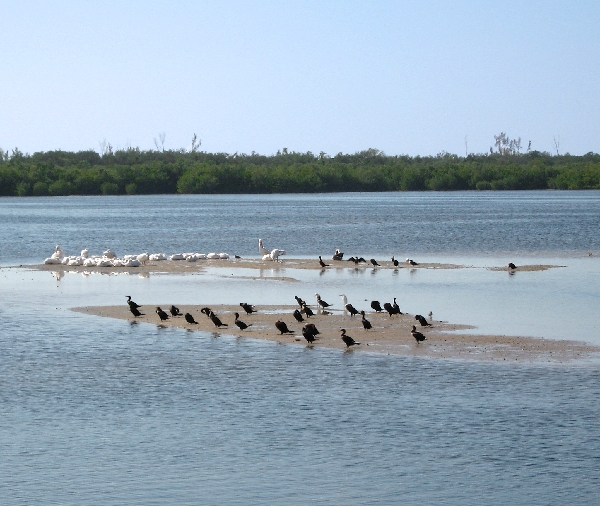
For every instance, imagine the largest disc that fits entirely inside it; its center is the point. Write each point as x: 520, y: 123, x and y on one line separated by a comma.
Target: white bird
x: 262, y: 250
x: 109, y: 253
x: 143, y: 258
x: 276, y: 253
x: 58, y: 253
x: 84, y: 253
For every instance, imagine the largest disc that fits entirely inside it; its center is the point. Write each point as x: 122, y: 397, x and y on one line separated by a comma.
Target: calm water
x: 97, y: 411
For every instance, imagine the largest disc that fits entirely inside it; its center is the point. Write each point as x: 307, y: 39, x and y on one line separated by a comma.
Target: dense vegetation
x: 133, y: 171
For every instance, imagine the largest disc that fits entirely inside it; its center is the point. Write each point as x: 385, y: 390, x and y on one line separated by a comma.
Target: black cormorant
x: 282, y: 327
x: 189, y: 318
x: 161, y: 314
x: 417, y: 335
x: 347, y: 339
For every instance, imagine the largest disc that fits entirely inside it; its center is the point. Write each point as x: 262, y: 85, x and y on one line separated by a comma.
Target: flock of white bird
x: 110, y: 259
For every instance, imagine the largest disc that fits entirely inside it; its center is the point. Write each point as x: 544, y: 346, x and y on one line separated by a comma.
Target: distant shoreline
x: 136, y: 172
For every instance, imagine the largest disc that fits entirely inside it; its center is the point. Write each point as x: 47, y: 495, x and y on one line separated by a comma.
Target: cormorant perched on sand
x: 298, y: 315
x: 395, y: 262
x: 308, y: 333
x: 349, y: 307
x: 247, y: 307
x: 376, y: 306
x: 411, y: 262
x: 206, y: 311
x: 175, y: 311
x: 389, y: 308
x: 299, y: 300
x: 135, y: 311
x: 396, y: 307
x: 422, y: 321
x: 347, y: 339
x: 512, y: 266
x: 131, y: 303
x: 417, y: 335
x: 321, y: 302
x: 161, y: 314
x: 282, y: 327
x: 321, y: 263
x: 338, y: 255
x: 312, y: 328
x: 306, y: 310
x: 215, y: 319
x: 361, y: 259
x: 352, y: 259
x: 189, y: 318
x: 374, y: 262
x: 240, y: 323
x: 366, y: 323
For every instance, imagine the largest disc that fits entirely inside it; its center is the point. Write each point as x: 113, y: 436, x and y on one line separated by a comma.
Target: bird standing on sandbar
x: 189, y: 318
x: 395, y: 262
x: 417, y: 335
x: 306, y: 310
x: 298, y: 315
x: 349, y: 307
x: 240, y: 323
x: 389, y: 308
x: 512, y: 266
x: 321, y: 302
x: 374, y: 262
x: 299, y: 301
x: 215, y: 319
x: 347, y: 339
x: 309, y: 334
x: 161, y: 314
x: 282, y: 327
x: 421, y: 319
x: 366, y: 323
x: 247, y: 307
x: 131, y: 303
x: 375, y: 304
x: 411, y: 262
x: 135, y: 311
x: 175, y: 311
x: 321, y: 263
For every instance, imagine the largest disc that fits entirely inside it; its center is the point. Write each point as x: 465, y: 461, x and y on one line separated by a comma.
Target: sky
x: 404, y: 77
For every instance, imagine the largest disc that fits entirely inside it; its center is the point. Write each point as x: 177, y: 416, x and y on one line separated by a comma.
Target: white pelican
x: 261, y: 249
x: 275, y: 254
x: 84, y: 253
x: 109, y: 254
x: 212, y: 256
x: 143, y: 258
x: 58, y: 253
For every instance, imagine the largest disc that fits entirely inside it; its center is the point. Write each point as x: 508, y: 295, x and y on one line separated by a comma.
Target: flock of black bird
x: 309, y: 330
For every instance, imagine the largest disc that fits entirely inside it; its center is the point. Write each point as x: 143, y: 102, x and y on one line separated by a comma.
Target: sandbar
x: 389, y: 335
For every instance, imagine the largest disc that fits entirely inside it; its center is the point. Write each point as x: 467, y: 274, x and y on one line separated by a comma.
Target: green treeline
x: 133, y: 171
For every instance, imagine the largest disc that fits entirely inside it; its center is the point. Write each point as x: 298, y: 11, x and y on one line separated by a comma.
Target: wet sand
x: 389, y: 335
x: 183, y: 266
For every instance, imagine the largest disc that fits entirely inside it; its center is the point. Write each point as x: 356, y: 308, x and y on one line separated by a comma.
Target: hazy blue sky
x: 404, y: 77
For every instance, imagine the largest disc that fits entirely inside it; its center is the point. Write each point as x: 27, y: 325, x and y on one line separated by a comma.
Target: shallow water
x: 99, y: 411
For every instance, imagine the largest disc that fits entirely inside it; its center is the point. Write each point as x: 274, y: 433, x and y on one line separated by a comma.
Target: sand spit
x: 525, y: 268
x: 389, y: 335
x: 183, y: 267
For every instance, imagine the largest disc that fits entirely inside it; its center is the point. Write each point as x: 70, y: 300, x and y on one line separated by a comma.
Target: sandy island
x: 389, y: 335
x: 183, y: 266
